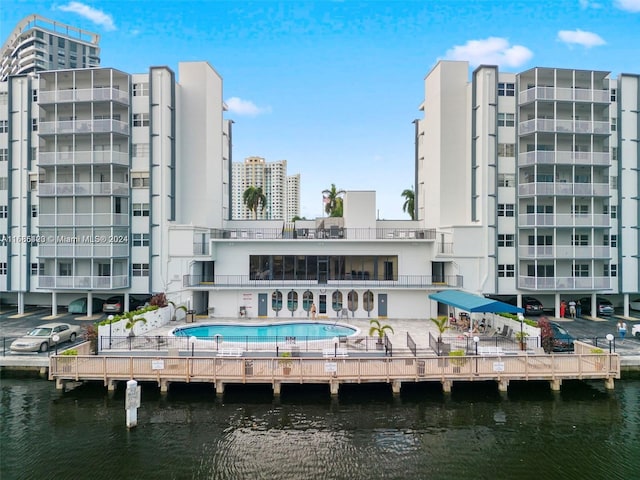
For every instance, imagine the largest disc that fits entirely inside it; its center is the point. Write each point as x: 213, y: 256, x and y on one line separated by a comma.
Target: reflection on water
x: 582, y: 432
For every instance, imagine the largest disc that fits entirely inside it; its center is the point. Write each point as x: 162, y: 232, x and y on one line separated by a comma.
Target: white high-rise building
x: 282, y: 192
x: 38, y: 44
x: 534, y: 179
x: 95, y: 166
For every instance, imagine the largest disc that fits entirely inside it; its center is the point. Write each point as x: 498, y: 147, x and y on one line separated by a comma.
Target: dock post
x: 396, y: 385
x: 555, y: 384
x: 334, y: 388
x: 219, y: 387
x: 503, y: 385
x: 112, y: 385
x: 164, y: 386
x: 60, y: 384
x: 446, y: 386
x: 276, y: 388
x: 609, y: 383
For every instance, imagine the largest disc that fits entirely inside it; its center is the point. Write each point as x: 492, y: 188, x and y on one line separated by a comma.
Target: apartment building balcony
x: 400, y: 282
x: 83, y: 250
x: 564, y: 158
x: 83, y: 282
x: 564, y: 189
x: 332, y: 233
x: 82, y: 188
x: 564, y: 94
x: 563, y: 220
x: 83, y: 158
x: 553, y: 125
x: 83, y: 126
x: 564, y: 283
x: 563, y: 251
x: 83, y: 219
x: 201, y: 248
x: 83, y: 95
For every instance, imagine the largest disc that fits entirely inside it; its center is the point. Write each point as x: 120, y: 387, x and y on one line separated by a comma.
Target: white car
x: 635, y: 331
x: 41, y: 338
x: 635, y: 304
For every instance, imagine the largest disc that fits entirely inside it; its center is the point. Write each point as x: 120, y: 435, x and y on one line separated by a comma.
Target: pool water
x: 268, y: 331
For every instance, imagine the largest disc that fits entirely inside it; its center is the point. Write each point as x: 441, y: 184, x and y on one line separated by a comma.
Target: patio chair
x: 505, y: 331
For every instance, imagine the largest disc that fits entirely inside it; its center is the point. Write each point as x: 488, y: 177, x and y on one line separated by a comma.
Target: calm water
x: 266, y: 331
x: 367, y: 433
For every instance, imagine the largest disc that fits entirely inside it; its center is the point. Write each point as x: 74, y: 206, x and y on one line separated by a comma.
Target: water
x: 367, y: 433
x: 268, y: 331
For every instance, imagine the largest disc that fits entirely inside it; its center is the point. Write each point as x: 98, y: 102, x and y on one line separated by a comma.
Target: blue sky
x: 333, y: 86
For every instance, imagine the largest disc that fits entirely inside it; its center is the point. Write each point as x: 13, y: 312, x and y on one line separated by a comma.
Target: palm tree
x: 409, y: 203
x: 333, y: 201
x: 254, y: 197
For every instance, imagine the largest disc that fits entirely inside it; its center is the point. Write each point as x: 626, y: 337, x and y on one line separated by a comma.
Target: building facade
x: 282, y: 192
x: 38, y: 44
x: 541, y: 170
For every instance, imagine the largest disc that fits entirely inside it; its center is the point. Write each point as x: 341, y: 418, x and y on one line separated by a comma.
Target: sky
x: 334, y: 86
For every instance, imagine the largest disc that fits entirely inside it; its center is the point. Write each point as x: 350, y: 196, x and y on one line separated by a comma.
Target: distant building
x: 282, y: 192
x: 38, y: 44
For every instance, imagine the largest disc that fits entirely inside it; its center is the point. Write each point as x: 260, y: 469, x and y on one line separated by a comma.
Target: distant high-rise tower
x: 282, y: 192
x: 39, y: 44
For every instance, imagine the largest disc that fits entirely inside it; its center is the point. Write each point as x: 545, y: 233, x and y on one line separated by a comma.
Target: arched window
x: 307, y: 300
x: 336, y: 301
x: 352, y: 301
x: 292, y: 301
x: 276, y: 301
x: 367, y: 300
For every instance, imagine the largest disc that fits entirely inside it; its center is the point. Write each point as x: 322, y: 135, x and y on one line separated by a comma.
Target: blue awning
x: 473, y: 303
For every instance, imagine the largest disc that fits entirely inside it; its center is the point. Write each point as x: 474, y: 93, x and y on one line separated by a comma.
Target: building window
x: 140, y: 150
x: 613, y: 182
x: 614, y: 153
x: 614, y: 94
x: 581, y: 240
x: 4, y: 154
x: 580, y: 209
x: 506, y: 89
x: 34, y: 124
x: 65, y: 269
x: 3, y: 268
x: 614, y: 124
x: 140, y: 269
x: 4, y: 211
x: 4, y: 182
x: 4, y: 126
x: 613, y: 270
x: 581, y: 270
x: 37, y: 269
x: 35, y: 95
x: 140, y: 180
x: 614, y: 211
x: 140, y: 89
x: 506, y: 240
x: 506, y: 119
x: 506, y: 270
x: 140, y: 239
x: 506, y: 209
x: 542, y: 271
x: 506, y: 180
x: 140, y: 119
x: 610, y: 240
x: 506, y: 150
x: 140, y: 209
x: 34, y: 211
x: 4, y: 96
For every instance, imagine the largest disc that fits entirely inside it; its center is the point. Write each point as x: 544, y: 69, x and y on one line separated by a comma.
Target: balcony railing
x: 401, y: 281
x: 82, y: 188
x: 83, y: 219
x: 561, y: 157
x: 83, y: 250
x: 83, y: 126
x: 564, y: 188
x: 83, y: 95
x: 325, y: 234
x: 201, y: 248
x: 564, y: 283
x: 563, y: 126
x: 563, y: 220
x: 83, y: 282
x: 565, y: 94
x: 564, y: 251
x: 83, y: 157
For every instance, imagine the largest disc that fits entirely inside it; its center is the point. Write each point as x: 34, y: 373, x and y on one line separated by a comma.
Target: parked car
x: 41, y: 338
x: 635, y: 304
x: 79, y: 305
x: 532, y: 306
x: 562, y: 340
x: 605, y: 307
x: 635, y: 331
x: 115, y: 304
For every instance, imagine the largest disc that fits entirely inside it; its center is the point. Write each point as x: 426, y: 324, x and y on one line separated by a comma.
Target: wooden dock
x: 501, y: 368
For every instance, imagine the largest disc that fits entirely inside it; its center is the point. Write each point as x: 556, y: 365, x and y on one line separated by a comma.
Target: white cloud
x: 580, y: 37
x: 628, y: 5
x: 490, y: 51
x: 96, y: 16
x: 245, y: 107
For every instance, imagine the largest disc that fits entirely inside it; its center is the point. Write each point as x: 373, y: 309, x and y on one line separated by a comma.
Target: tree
x: 333, y: 201
x: 409, y: 203
x: 254, y: 197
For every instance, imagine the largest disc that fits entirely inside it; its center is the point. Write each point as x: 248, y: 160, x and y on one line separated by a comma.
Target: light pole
x: 476, y: 339
x: 610, y: 338
x: 521, y: 318
x: 192, y: 342
x: 56, y: 339
x: 110, y: 318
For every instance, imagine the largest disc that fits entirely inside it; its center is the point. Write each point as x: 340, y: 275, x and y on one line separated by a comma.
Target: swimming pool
x: 268, y: 331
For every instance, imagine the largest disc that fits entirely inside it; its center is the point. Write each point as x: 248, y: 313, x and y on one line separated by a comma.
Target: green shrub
x: 71, y: 351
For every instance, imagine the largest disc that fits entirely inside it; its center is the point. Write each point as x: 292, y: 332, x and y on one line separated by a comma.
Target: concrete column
x: 625, y: 299
x: 334, y: 388
x: 396, y: 385
x: 89, y: 304
x: 59, y: 384
x: 54, y: 304
x: 556, y: 305
x: 219, y: 387
x: 503, y: 385
x: 609, y: 383
x: 276, y: 388
x: 112, y: 385
x: 446, y: 386
x: 164, y: 386
x: 555, y: 385
x: 126, y: 302
x: 519, y: 300
x: 20, y: 303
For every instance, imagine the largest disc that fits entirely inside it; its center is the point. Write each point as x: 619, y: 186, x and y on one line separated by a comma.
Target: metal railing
x: 411, y: 344
x: 332, y: 233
